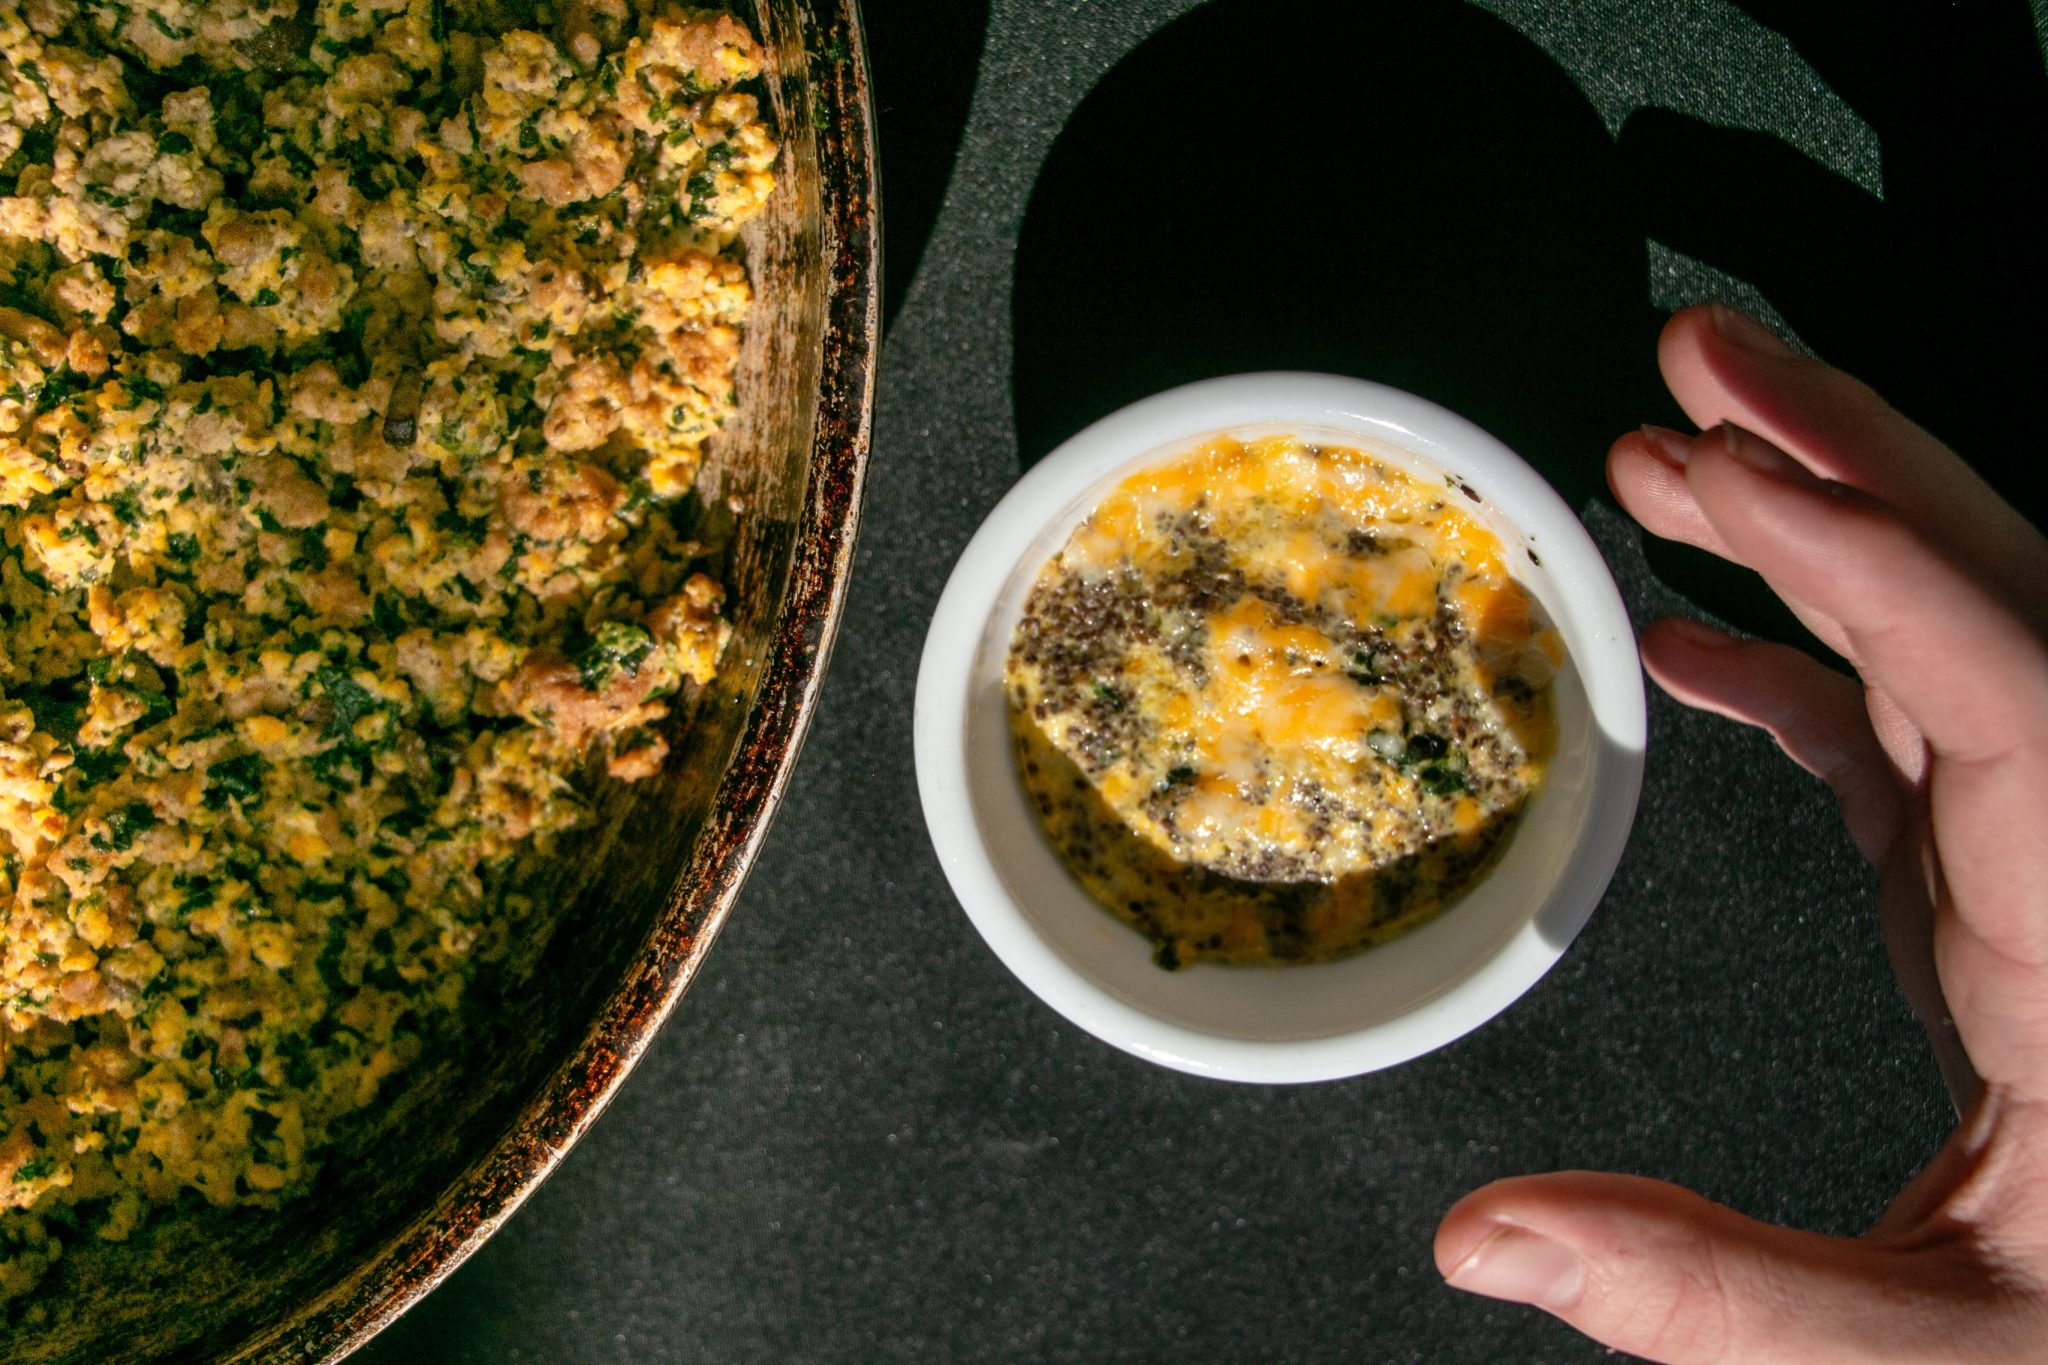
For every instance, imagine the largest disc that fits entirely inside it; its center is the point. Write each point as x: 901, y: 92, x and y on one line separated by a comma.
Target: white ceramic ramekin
x: 1294, y: 1023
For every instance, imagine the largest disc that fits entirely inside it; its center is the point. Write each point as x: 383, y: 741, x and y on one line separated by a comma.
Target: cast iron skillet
x: 634, y: 904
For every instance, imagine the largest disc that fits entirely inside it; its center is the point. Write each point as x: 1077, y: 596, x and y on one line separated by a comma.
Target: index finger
x: 1724, y: 367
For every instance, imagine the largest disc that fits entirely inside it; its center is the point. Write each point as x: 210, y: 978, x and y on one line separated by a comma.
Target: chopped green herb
x: 344, y: 765
x: 312, y: 552
x: 1441, y: 779
x: 1423, y: 747
x: 127, y: 505
x: 467, y: 530
x: 94, y: 766
x: 234, y: 779
x: 613, y: 646
x: 123, y: 825
x: 59, y: 388
x: 348, y: 699
x: 702, y: 189
x: 1439, y: 769
x: 156, y: 707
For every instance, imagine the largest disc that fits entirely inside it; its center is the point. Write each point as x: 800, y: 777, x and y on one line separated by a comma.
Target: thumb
x: 1657, y: 1271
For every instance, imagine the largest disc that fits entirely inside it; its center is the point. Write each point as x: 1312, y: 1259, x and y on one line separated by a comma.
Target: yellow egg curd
x: 356, y: 359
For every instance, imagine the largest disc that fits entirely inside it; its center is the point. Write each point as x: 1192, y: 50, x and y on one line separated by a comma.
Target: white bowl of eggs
x: 1231, y: 791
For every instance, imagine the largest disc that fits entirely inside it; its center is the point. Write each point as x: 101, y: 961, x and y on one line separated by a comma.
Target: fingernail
x: 1698, y: 632
x: 1740, y: 329
x: 1759, y: 454
x: 1755, y: 453
x: 1522, y: 1267
x: 1672, y: 447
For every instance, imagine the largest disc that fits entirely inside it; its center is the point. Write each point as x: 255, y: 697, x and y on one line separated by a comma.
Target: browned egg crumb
x: 351, y: 371
x: 1278, y: 702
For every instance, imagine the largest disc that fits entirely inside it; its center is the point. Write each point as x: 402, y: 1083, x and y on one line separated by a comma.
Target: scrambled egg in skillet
x: 349, y: 378
x: 1279, y: 702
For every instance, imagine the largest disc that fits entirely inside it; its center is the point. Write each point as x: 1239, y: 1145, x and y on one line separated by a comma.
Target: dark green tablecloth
x: 860, y: 1139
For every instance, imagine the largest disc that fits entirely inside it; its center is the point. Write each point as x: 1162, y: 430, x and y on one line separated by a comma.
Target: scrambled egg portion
x: 352, y: 363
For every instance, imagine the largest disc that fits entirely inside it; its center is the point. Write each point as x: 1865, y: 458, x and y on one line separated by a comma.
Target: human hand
x: 1899, y: 557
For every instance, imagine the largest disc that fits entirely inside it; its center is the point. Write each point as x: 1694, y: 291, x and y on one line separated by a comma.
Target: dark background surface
x: 860, y: 1139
